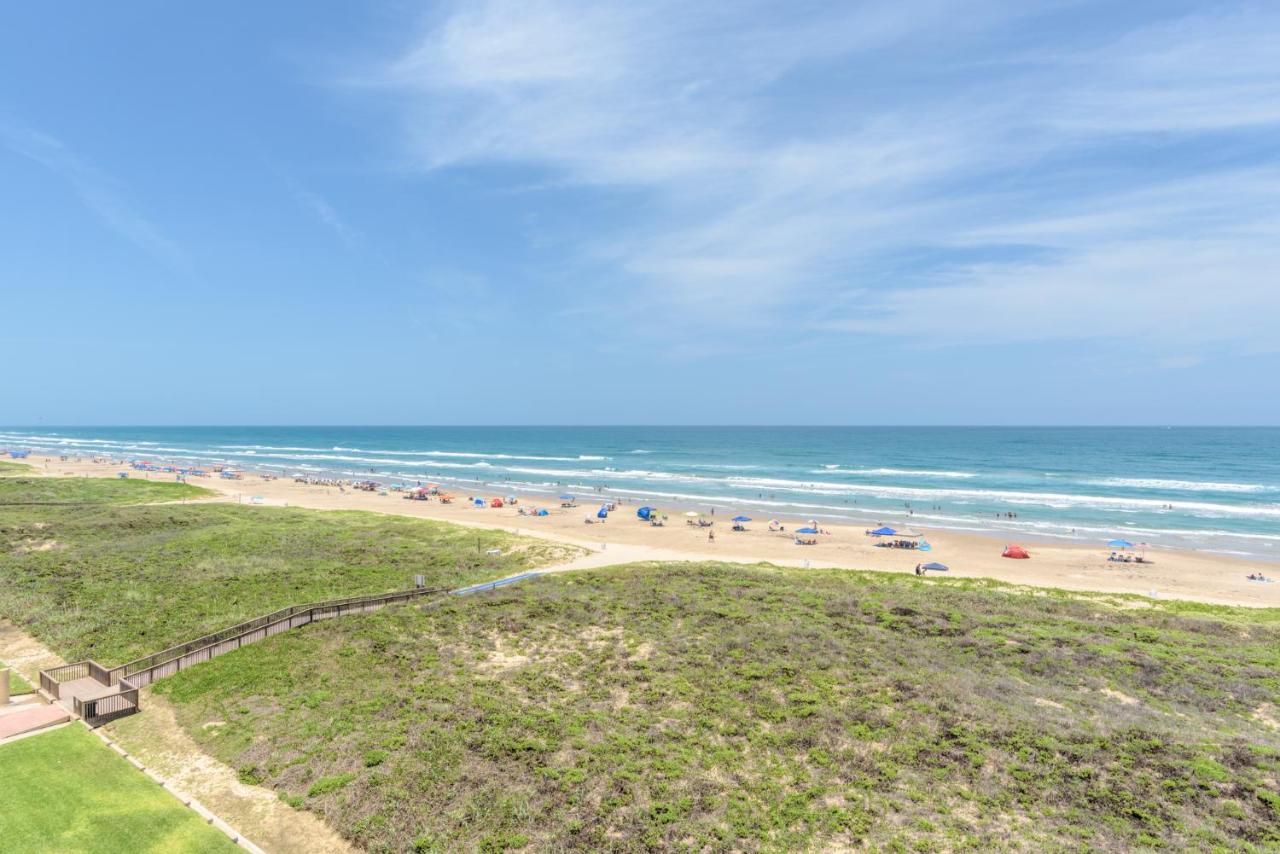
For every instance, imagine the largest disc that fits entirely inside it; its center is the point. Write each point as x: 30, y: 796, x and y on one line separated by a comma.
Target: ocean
x: 1213, y: 489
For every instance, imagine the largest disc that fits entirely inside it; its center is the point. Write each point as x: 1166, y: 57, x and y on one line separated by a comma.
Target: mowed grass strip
x: 66, y: 791
x: 17, y: 685
x: 714, y: 707
x: 98, y: 578
x: 8, y: 468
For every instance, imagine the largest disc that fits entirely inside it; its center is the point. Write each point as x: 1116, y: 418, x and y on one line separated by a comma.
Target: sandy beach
x: 1172, y: 574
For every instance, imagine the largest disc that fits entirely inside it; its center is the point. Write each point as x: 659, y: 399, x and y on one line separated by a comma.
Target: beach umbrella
x: 644, y: 513
x: 479, y: 502
x: 806, y: 530
x: 692, y: 514
x: 566, y: 497
x: 884, y: 532
x: 1120, y: 544
x: 936, y: 567
x: 742, y: 518
x: 1017, y: 552
x: 602, y: 512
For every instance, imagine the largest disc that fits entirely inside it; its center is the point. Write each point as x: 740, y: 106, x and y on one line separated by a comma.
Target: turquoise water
x: 1216, y: 489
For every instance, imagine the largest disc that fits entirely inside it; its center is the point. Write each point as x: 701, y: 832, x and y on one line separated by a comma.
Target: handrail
x: 143, y: 671
x: 257, y: 624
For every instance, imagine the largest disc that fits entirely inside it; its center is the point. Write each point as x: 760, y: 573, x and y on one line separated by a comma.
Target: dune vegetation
x: 92, y: 573
x: 704, y: 706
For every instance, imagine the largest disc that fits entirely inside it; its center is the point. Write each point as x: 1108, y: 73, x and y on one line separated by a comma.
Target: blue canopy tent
x: 806, y: 530
x: 884, y: 532
x: 741, y: 518
x: 542, y: 512
x: 644, y: 513
x: 1119, y: 544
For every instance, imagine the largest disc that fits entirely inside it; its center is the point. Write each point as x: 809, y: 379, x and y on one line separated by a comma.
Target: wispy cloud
x: 98, y: 191
x: 325, y: 213
x: 953, y: 171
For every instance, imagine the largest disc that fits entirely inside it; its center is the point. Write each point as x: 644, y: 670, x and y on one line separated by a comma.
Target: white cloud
x: 327, y: 215
x: 100, y: 193
x: 780, y: 153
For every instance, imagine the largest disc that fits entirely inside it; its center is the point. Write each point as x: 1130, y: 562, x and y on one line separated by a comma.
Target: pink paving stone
x: 35, y: 718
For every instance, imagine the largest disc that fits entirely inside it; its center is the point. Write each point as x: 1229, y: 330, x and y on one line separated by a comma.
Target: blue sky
x: 917, y: 211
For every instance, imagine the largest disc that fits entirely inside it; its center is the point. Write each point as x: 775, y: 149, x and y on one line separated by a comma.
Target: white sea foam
x: 1179, y: 485
x: 902, y: 472
x: 473, y: 455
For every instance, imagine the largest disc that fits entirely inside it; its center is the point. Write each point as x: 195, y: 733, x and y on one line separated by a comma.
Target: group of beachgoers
x: 898, y: 544
x: 1121, y: 557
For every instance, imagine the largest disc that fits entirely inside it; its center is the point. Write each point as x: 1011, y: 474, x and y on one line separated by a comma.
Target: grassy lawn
x: 751, y: 708
x: 10, y: 468
x: 93, y: 576
x: 17, y: 685
x: 65, y: 791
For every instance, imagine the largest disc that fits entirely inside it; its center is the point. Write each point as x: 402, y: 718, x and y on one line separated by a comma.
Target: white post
x: 4, y: 686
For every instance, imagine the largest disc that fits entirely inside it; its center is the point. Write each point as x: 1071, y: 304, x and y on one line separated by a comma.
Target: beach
x: 622, y: 538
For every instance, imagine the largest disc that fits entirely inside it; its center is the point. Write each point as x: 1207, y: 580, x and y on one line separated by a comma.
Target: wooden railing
x: 143, y: 671
x: 50, y: 678
x: 147, y: 669
x: 109, y: 708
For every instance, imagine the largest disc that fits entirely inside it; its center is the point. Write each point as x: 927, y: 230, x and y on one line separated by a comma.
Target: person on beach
x: 711, y: 536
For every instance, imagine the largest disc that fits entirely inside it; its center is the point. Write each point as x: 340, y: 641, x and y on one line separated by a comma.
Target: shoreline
x: 1220, y: 509
x: 1172, y: 574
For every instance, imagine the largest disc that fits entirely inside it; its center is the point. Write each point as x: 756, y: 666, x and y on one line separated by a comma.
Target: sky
x: 561, y: 212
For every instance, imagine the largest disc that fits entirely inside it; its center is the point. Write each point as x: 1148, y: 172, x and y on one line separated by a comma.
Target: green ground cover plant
x: 714, y: 707
x: 66, y: 791
x: 17, y: 685
x: 94, y: 576
x: 73, y: 491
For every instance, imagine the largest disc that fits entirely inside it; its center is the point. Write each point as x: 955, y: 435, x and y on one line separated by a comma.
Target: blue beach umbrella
x: 884, y: 532
x: 806, y: 530
x: 742, y: 518
x: 644, y: 513
x: 602, y: 512
x: 936, y: 567
x: 479, y: 502
x: 1120, y: 544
